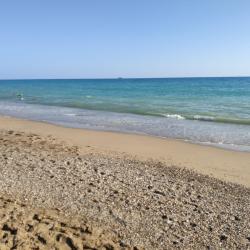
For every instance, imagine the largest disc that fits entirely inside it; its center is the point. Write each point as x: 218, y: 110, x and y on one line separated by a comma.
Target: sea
x: 212, y: 111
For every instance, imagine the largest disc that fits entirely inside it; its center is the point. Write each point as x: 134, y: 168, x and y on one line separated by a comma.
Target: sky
x: 124, y: 38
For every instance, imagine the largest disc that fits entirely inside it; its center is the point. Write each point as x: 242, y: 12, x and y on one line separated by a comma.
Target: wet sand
x: 66, y: 191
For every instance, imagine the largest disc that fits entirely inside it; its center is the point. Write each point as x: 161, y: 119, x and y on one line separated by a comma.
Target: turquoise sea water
x: 215, y: 111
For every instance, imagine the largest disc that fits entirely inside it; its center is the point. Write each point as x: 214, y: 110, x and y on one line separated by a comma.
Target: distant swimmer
x: 20, y: 96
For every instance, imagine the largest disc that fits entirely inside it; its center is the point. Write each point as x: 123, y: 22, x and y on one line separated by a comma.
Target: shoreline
x: 226, y: 165
x: 221, y: 135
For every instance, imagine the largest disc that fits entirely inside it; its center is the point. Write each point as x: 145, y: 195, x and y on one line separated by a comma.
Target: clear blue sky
x: 128, y: 38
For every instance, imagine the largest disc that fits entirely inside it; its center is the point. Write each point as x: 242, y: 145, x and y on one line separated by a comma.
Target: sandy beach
x: 64, y: 188
x: 219, y: 163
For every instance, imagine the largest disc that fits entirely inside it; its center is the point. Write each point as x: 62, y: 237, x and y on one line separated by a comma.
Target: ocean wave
x: 220, y: 120
x: 171, y: 126
x: 175, y: 116
x: 203, y: 118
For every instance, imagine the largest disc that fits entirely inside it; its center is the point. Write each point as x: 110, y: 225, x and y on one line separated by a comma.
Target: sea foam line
x: 175, y: 116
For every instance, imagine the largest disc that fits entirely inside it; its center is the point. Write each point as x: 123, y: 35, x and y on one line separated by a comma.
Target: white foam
x: 204, y: 118
x: 175, y: 116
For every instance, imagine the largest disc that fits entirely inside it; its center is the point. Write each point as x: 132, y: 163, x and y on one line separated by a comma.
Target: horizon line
x: 123, y: 78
